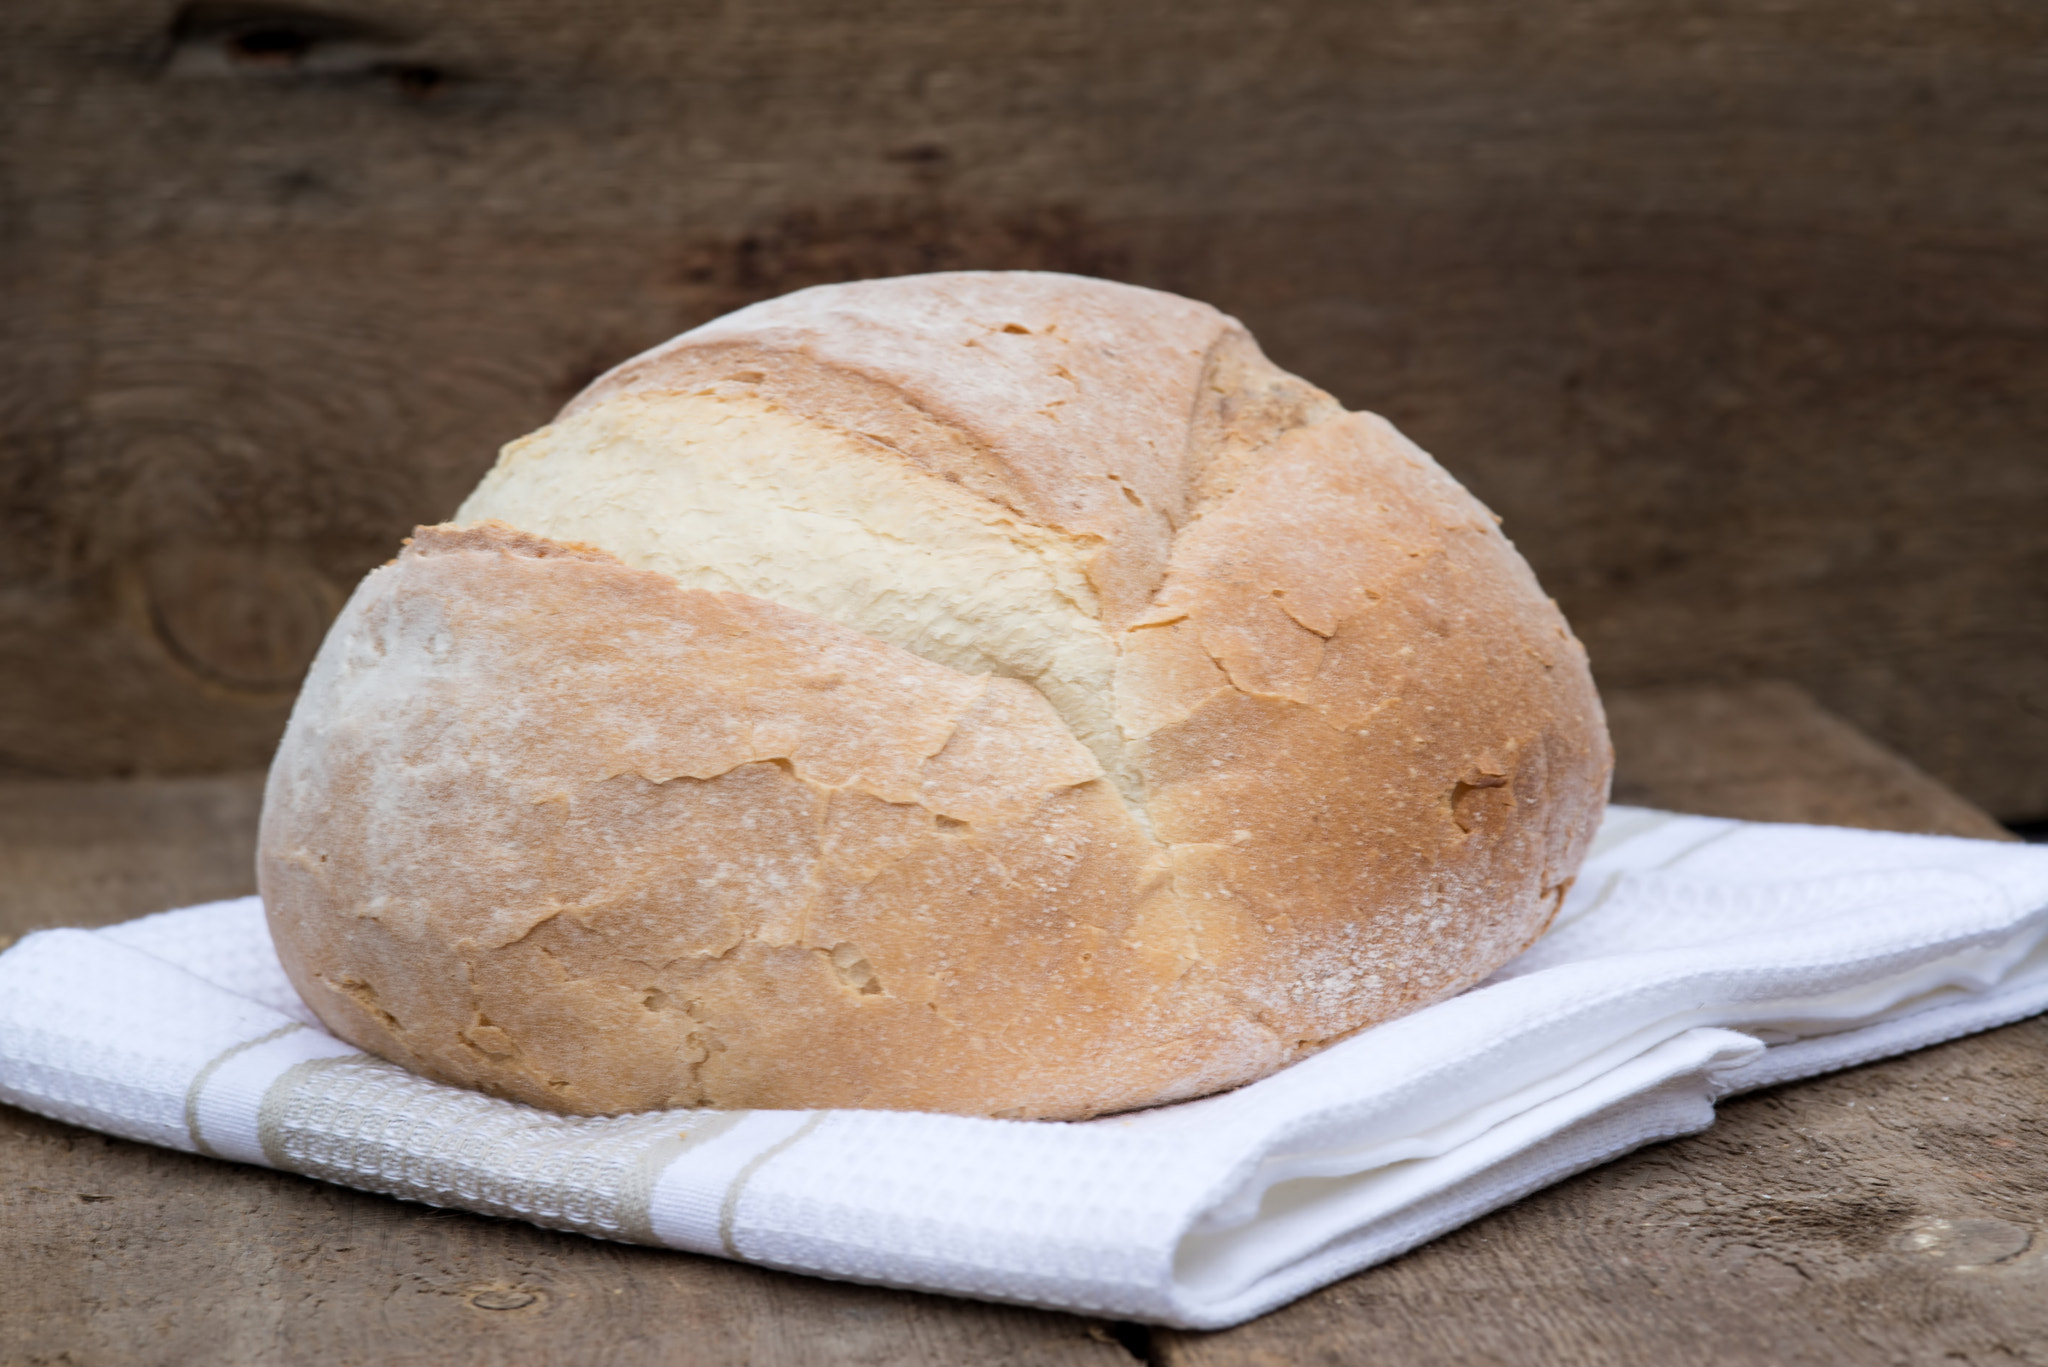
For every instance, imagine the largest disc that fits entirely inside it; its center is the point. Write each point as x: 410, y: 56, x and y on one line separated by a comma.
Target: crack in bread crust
x: 1127, y: 716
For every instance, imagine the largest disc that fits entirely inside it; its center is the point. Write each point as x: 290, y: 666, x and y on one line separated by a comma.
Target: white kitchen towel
x: 1696, y: 957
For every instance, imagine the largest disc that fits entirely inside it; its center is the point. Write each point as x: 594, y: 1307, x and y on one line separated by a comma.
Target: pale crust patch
x: 573, y: 828
x: 725, y: 489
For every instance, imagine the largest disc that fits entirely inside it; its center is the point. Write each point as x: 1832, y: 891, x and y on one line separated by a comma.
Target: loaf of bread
x: 1003, y: 694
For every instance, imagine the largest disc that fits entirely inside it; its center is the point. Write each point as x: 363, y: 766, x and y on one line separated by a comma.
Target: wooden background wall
x: 1736, y: 309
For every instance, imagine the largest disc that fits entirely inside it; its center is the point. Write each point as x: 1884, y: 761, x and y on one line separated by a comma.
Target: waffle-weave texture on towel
x: 1695, y: 957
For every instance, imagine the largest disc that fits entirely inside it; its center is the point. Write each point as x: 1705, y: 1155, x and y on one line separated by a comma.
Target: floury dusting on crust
x: 998, y: 694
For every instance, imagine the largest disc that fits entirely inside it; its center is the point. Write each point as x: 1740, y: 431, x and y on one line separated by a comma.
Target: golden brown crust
x: 679, y: 845
x: 559, y: 828
x: 1363, y: 722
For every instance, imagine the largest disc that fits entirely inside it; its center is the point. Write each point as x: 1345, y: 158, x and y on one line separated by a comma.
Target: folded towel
x: 1695, y: 957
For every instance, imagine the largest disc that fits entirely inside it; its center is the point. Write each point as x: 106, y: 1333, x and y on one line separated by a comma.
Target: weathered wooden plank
x: 90, y: 854
x: 1735, y: 309
x: 1766, y: 751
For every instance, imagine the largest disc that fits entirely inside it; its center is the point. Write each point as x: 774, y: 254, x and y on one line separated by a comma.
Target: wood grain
x: 113, y: 1253
x: 1894, y: 1213
x: 90, y: 854
x: 1766, y: 751
x: 1735, y: 309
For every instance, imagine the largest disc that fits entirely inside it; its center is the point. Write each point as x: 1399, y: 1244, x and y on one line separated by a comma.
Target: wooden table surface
x: 1896, y: 1213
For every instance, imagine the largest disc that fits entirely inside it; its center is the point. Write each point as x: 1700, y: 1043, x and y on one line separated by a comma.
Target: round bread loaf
x: 1004, y: 694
